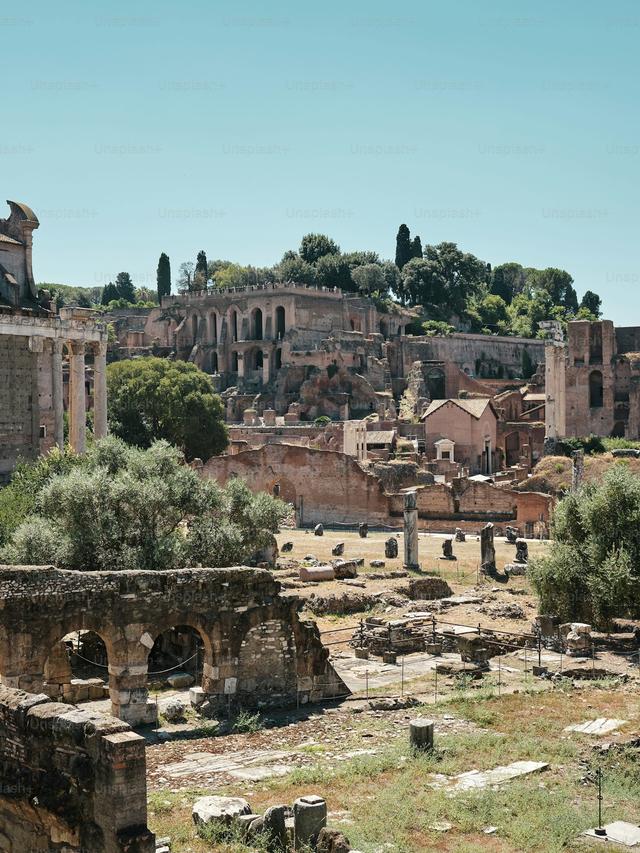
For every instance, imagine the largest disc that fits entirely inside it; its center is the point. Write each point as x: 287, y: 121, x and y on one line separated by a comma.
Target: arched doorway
x: 77, y: 668
x: 233, y: 324
x: 213, y: 327
x: 280, y: 322
x: 256, y: 325
x: 194, y: 327
x: 436, y: 384
x: 278, y: 360
x: 177, y: 650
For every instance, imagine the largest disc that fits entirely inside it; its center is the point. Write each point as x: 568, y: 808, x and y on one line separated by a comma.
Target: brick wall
x: 71, y: 780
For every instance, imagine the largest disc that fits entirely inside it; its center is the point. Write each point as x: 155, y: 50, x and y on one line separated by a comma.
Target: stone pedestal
x: 421, y: 734
x: 309, y: 816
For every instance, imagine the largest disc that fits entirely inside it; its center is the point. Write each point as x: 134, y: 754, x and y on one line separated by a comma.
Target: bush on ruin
x: 153, y: 398
x: 127, y: 508
x: 592, y: 570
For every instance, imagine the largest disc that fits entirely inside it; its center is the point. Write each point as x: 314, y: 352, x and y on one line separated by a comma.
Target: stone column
x: 57, y: 393
x: 240, y: 365
x: 266, y: 372
x: 411, y: 560
x: 77, y: 402
x: 100, y: 390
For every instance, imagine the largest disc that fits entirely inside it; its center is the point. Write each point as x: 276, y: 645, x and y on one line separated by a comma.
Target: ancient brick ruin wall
x: 324, y: 486
x: 472, y: 351
x: 70, y: 780
x: 238, y: 612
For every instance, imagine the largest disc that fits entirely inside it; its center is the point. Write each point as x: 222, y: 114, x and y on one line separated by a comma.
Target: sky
x: 511, y: 128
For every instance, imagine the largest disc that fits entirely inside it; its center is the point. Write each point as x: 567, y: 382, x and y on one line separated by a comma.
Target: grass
x: 391, y: 802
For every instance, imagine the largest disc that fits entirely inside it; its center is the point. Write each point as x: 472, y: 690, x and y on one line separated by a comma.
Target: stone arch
x: 179, y: 647
x: 618, y: 430
x: 233, y: 324
x: 75, y: 666
x: 384, y: 328
x: 596, y: 390
x: 256, y: 325
x: 281, y: 322
x: 213, y: 327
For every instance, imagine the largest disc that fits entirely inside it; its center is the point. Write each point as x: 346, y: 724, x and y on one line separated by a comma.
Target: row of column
x: 77, y: 394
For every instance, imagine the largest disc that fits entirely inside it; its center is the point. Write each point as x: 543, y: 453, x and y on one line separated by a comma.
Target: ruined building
x: 33, y: 342
x: 593, y: 381
x: 320, y: 350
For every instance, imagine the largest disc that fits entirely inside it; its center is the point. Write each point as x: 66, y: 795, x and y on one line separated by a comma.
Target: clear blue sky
x: 511, y: 128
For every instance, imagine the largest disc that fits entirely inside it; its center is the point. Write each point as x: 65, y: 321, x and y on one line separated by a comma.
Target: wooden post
x: 421, y: 734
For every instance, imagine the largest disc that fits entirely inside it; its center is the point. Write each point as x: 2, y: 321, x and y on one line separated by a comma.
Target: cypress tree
x: 416, y: 247
x: 109, y: 293
x: 201, y: 272
x: 163, y: 276
x: 403, y: 246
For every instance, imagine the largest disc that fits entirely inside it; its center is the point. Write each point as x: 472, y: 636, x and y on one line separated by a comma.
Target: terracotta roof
x: 476, y: 408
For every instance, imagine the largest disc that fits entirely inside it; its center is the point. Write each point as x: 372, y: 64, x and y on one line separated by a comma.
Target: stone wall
x: 324, y: 486
x: 72, y: 780
x: 19, y: 415
x: 128, y: 610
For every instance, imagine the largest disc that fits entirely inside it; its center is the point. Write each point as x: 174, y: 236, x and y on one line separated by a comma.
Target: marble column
x: 100, y: 390
x: 77, y: 401
x: 411, y: 559
x: 57, y: 393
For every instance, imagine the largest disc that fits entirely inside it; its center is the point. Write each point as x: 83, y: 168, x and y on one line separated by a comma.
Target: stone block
x: 197, y: 697
x: 309, y: 817
x: 180, y: 680
x: 421, y: 734
x: 219, y: 810
x: 316, y: 573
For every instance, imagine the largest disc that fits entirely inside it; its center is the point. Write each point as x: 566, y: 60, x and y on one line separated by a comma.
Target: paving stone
x: 601, y: 726
x: 619, y: 832
x: 473, y: 779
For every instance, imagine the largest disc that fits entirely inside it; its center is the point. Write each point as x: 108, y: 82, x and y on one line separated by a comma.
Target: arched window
x: 234, y: 362
x: 233, y: 324
x: 259, y: 360
x: 213, y: 326
x: 278, y: 358
x: 194, y: 327
x: 595, y: 390
x: 214, y: 362
x: 256, y: 325
x: 280, y: 322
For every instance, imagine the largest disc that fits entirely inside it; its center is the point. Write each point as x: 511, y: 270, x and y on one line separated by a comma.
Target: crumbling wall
x: 324, y: 486
x: 72, y: 780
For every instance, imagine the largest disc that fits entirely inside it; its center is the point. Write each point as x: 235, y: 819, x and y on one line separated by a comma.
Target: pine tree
x: 163, y: 276
x: 416, y: 247
x: 403, y: 246
x: 109, y: 293
x: 125, y: 287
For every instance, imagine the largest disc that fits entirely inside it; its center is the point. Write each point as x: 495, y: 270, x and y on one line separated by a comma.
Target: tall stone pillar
x: 411, y: 560
x: 100, y: 390
x: 266, y: 368
x: 77, y: 401
x: 57, y: 393
x: 240, y: 365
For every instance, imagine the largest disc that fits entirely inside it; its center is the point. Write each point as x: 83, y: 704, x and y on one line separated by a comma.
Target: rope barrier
x: 157, y: 672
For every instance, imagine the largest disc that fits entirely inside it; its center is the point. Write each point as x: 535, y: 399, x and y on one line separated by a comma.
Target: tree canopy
x: 120, y: 507
x: 152, y: 398
x: 592, y: 570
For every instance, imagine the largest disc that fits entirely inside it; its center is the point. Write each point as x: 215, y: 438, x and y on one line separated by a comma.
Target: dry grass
x: 553, y: 473
x: 391, y: 804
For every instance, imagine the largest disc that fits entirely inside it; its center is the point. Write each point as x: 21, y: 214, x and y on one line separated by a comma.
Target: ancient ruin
x: 257, y: 651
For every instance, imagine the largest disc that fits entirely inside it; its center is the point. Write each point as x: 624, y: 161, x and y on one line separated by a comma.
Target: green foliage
x: 403, y: 247
x: 437, y: 327
x: 591, y: 444
x: 591, y: 303
x: 245, y: 721
x: 315, y: 246
x: 369, y: 278
x: 69, y: 296
x: 591, y: 571
x: 163, y: 276
x: 109, y: 294
x: 152, y: 398
x: 119, y: 507
x: 18, y: 499
x: 296, y: 269
x: 322, y: 421
x: 124, y: 287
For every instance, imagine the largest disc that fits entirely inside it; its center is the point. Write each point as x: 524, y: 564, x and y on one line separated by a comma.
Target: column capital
x: 57, y: 345
x: 100, y: 348
x: 76, y: 347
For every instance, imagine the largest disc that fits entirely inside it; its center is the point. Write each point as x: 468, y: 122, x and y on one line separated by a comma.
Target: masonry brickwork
x: 257, y: 650
x: 72, y: 780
